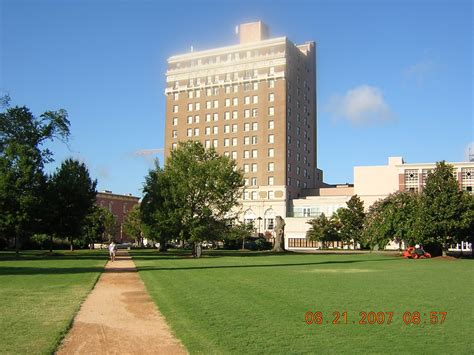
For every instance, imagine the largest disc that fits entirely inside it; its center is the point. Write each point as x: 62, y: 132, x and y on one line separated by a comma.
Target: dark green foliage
x: 98, y: 226
x: 191, y: 198
x: 443, y: 207
x: 323, y: 229
x: 22, y: 158
x: 133, y: 226
x: 75, y: 194
x: 351, y: 220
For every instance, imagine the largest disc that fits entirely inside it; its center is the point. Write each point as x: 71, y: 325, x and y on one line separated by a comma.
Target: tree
x: 323, y: 229
x: 99, y: 225
x: 132, y: 225
x: 351, y: 220
x: 442, y: 205
x: 75, y: 193
x: 377, y: 226
x: 22, y: 159
x: 194, y: 194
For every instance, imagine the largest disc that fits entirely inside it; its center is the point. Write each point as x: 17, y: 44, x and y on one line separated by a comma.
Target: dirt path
x: 119, y: 317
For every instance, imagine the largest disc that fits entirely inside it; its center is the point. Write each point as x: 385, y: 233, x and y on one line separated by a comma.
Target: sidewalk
x: 119, y: 317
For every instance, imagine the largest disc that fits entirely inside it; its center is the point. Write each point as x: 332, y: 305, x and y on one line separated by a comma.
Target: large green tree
x: 99, y: 226
x: 75, y: 195
x: 351, y: 220
x: 193, y: 195
x: 443, y: 207
x: 323, y: 229
x: 22, y: 159
x: 133, y: 225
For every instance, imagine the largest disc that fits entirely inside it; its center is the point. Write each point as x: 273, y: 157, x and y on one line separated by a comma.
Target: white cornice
x: 223, y: 50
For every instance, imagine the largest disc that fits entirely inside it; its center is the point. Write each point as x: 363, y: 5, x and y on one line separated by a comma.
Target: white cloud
x: 362, y: 105
x: 469, y: 151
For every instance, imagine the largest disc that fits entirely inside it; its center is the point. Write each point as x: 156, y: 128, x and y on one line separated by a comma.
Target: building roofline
x: 207, y: 52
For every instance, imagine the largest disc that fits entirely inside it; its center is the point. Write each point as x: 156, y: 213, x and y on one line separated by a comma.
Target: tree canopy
x: 193, y: 196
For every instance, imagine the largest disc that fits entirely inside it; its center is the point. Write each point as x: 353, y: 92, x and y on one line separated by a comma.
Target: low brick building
x: 119, y: 205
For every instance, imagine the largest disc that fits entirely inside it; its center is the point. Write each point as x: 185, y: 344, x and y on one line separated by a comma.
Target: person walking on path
x: 112, y: 250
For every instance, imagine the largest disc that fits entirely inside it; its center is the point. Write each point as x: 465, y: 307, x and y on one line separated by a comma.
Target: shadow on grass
x: 31, y: 255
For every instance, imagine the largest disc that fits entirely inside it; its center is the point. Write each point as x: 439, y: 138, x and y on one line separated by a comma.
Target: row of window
x: 215, y: 104
x: 227, y: 129
x: 216, y: 79
x: 227, y: 115
x: 215, y: 91
x: 252, y: 195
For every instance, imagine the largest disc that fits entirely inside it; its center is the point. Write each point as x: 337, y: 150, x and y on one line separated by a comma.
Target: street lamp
x: 259, y: 221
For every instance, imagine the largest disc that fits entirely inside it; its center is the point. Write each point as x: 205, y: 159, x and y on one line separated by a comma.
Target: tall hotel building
x: 255, y: 102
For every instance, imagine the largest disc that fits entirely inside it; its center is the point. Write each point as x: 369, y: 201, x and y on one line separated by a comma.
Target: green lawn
x: 39, y: 296
x: 256, y: 303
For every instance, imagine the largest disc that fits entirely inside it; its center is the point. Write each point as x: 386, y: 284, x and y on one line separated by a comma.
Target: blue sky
x: 394, y: 77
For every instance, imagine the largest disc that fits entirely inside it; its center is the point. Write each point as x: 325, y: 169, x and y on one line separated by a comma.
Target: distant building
x: 371, y: 183
x: 119, y: 205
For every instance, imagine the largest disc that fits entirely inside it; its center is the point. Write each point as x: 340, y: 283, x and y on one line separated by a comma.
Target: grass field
x: 256, y: 302
x: 39, y: 296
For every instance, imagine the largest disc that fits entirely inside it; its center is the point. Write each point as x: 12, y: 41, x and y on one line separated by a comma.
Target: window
x: 255, y: 126
x: 208, y: 90
x: 246, y: 182
x: 246, y: 154
x: 246, y: 140
x: 235, y: 88
x: 196, y: 119
x: 190, y: 94
x: 175, y: 134
x: 271, y: 124
x: 216, y: 90
x: 235, y: 101
x: 255, y: 86
x: 254, y: 139
x: 271, y: 111
x: 226, y: 128
x: 197, y: 106
x: 289, y: 167
x: 271, y: 166
x: 190, y: 132
x: 227, y: 102
x: 271, y: 196
x: 196, y: 131
x: 227, y: 115
x: 215, y: 116
x: 234, y: 115
x: 271, y: 138
x: 288, y: 139
x: 246, y: 127
x: 271, y: 97
x: 271, y: 180
x: 197, y: 93
x: 254, y: 195
x: 226, y: 154
x: 208, y: 117
x: 190, y: 119
x: 215, y: 130
x: 254, y: 167
x: 271, y: 71
x: 234, y: 128
x: 271, y: 152
x: 245, y: 196
x: 190, y: 107
x: 255, y: 99
x: 271, y: 83
x: 208, y: 131
x: 288, y: 181
x: 254, y: 112
x: 175, y: 121
x: 254, y: 153
x: 246, y: 113
x: 246, y: 168
x: 227, y: 89
x: 174, y: 146
x: 175, y: 109
x: 175, y: 96
x: 216, y: 103
x: 226, y: 142
x: 234, y: 155
x: 234, y: 141
x: 254, y: 181
x: 247, y: 100
x: 214, y: 143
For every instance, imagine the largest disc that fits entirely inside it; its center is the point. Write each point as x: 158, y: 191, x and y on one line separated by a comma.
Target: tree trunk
x: 51, y: 243
x: 163, y: 247
x: 243, y: 243
x: 197, y: 250
x: 72, y: 246
x: 17, y: 246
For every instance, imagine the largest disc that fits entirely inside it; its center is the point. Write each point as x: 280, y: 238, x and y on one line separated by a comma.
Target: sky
x: 394, y: 78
